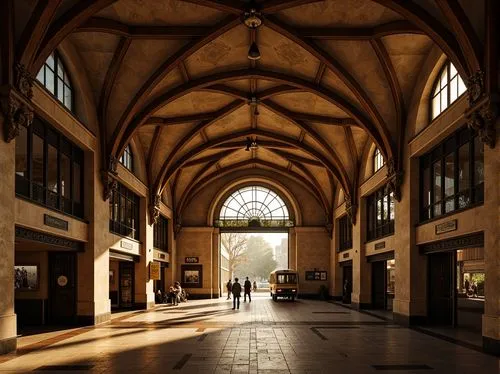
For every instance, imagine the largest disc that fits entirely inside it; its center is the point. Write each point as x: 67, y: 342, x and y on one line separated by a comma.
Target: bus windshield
x: 287, y: 278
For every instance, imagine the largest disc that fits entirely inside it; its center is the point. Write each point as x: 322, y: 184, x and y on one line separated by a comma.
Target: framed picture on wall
x: 192, y: 276
x: 26, y: 277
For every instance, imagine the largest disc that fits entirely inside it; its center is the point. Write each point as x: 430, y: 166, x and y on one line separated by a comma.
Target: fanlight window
x: 378, y: 160
x: 127, y: 158
x: 448, y: 87
x: 253, y: 206
x: 55, y: 79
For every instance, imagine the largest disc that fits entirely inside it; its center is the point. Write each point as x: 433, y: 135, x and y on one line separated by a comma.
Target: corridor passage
x: 206, y: 336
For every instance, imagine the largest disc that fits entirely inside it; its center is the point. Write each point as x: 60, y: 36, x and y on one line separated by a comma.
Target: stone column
x: 93, y: 305
x: 8, y: 330
x: 335, y: 277
x: 216, y: 281
x: 292, y: 249
x: 143, y: 290
x: 171, y: 272
x: 491, y: 316
x: 410, y: 305
x: 361, y: 269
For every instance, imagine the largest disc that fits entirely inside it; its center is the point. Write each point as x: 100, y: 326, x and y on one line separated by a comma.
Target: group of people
x: 175, y: 295
x: 235, y: 290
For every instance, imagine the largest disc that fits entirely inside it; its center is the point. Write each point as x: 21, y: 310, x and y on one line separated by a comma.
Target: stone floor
x: 262, y: 337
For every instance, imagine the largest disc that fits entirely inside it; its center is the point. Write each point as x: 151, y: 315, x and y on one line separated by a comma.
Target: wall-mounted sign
x: 55, y: 222
x: 191, y: 260
x: 316, y: 275
x: 380, y: 245
x: 126, y: 245
x: 345, y: 255
x: 62, y: 280
x: 446, y: 226
x: 154, y: 270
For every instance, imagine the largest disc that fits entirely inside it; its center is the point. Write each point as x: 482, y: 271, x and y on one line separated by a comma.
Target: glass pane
x: 426, y: 187
x: 49, y: 80
x: 50, y: 61
x: 437, y: 210
x: 453, y: 89
x: 68, y: 98
x: 463, y: 168
x: 444, y: 78
x: 444, y: 99
x: 453, y: 71
x: 52, y: 168
x: 391, y: 206
x: 40, y: 77
x: 478, y: 161
x: 77, y: 193
x: 461, y: 86
x: 436, y: 106
x: 449, y: 177
x: 436, y: 178
x: 386, y: 208
x: 379, y: 213
x: 60, y: 72
x: 37, y: 159
x: 65, y: 176
x: 22, y: 152
x: 60, y: 90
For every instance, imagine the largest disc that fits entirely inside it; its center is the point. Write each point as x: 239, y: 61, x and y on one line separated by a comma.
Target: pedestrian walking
x: 229, y: 287
x: 248, y: 288
x: 236, y: 290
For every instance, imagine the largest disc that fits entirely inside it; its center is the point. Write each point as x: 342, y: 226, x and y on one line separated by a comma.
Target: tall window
x: 124, y: 212
x: 160, y: 234
x: 49, y: 169
x: 448, y: 87
x: 380, y: 214
x: 345, y: 233
x: 127, y: 159
x: 452, y: 175
x: 378, y: 160
x: 56, y: 80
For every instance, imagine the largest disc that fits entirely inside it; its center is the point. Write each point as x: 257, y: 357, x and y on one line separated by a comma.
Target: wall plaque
x: 345, y: 255
x: 126, y: 245
x: 55, y: 222
x: 446, y: 226
x: 191, y: 260
x: 154, y: 270
x: 380, y: 245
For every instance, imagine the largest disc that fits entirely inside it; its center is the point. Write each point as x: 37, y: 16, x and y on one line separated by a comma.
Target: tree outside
x: 259, y: 262
x: 236, y: 246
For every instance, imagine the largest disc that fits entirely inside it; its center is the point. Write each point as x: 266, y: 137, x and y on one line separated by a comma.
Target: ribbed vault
x: 174, y: 76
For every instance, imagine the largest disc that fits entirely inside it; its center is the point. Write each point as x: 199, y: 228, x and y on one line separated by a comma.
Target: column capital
x: 15, y: 111
x: 351, y: 208
x: 394, y: 179
x: 154, y: 208
x: 109, y: 184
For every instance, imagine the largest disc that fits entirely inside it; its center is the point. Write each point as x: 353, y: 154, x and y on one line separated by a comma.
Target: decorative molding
x: 483, y: 113
x: 24, y: 81
x: 351, y: 208
x: 394, y: 179
x: 23, y: 233
x: 154, y: 209
x: 468, y: 241
x: 16, y: 110
x: 177, y: 226
x: 109, y: 184
x: 112, y: 164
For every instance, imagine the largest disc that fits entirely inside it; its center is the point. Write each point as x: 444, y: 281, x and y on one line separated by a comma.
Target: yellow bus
x: 284, y: 283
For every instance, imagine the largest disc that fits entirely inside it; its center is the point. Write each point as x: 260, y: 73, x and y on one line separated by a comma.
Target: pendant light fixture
x: 253, y: 20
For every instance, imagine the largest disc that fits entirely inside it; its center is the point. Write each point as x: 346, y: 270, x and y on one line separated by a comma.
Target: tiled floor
x: 262, y: 337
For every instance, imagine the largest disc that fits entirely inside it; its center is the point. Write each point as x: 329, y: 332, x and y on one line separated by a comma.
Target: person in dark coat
x: 248, y: 289
x: 236, y: 290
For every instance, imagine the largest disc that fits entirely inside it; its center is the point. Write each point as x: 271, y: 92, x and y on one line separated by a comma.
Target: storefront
x: 456, y: 281
x: 121, y: 280
x: 346, y: 281
x: 383, y: 280
x: 161, y: 264
x: 45, y: 278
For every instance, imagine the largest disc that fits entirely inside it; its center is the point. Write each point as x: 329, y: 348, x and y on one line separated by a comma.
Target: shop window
x: 127, y: 158
x: 345, y: 233
x: 380, y: 214
x: 124, y: 212
x: 160, y: 234
x: 378, y: 160
x: 56, y: 80
x: 452, y: 175
x: 49, y: 169
x: 448, y: 87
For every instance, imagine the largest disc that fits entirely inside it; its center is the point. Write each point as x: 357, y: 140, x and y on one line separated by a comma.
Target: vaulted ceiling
x: 175, y: 76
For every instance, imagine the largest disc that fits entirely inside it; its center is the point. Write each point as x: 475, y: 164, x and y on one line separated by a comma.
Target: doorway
x: 346, y: 283
x: 441, y: 293
x: 383, y: 282
x: 62, y: 288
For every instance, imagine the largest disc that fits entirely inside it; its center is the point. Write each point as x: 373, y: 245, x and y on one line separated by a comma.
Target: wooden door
x: 62, y: 288
x: 378, y: 284
x: 126, y: 286
x: 441, y: 292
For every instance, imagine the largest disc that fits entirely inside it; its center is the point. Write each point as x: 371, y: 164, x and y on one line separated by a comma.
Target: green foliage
x: 259, y: 260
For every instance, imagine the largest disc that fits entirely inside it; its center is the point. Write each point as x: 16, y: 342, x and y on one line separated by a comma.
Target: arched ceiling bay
x: 333, y: 75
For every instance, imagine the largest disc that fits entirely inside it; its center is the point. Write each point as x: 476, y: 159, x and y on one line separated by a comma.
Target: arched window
x: 127, y: 158
x: 55, y: 79
x: 254, y: 206
x: 447, y: 88
x: 378, y: 160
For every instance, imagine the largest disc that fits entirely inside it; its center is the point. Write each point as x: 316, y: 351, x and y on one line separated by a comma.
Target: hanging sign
x: 154, y: 270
